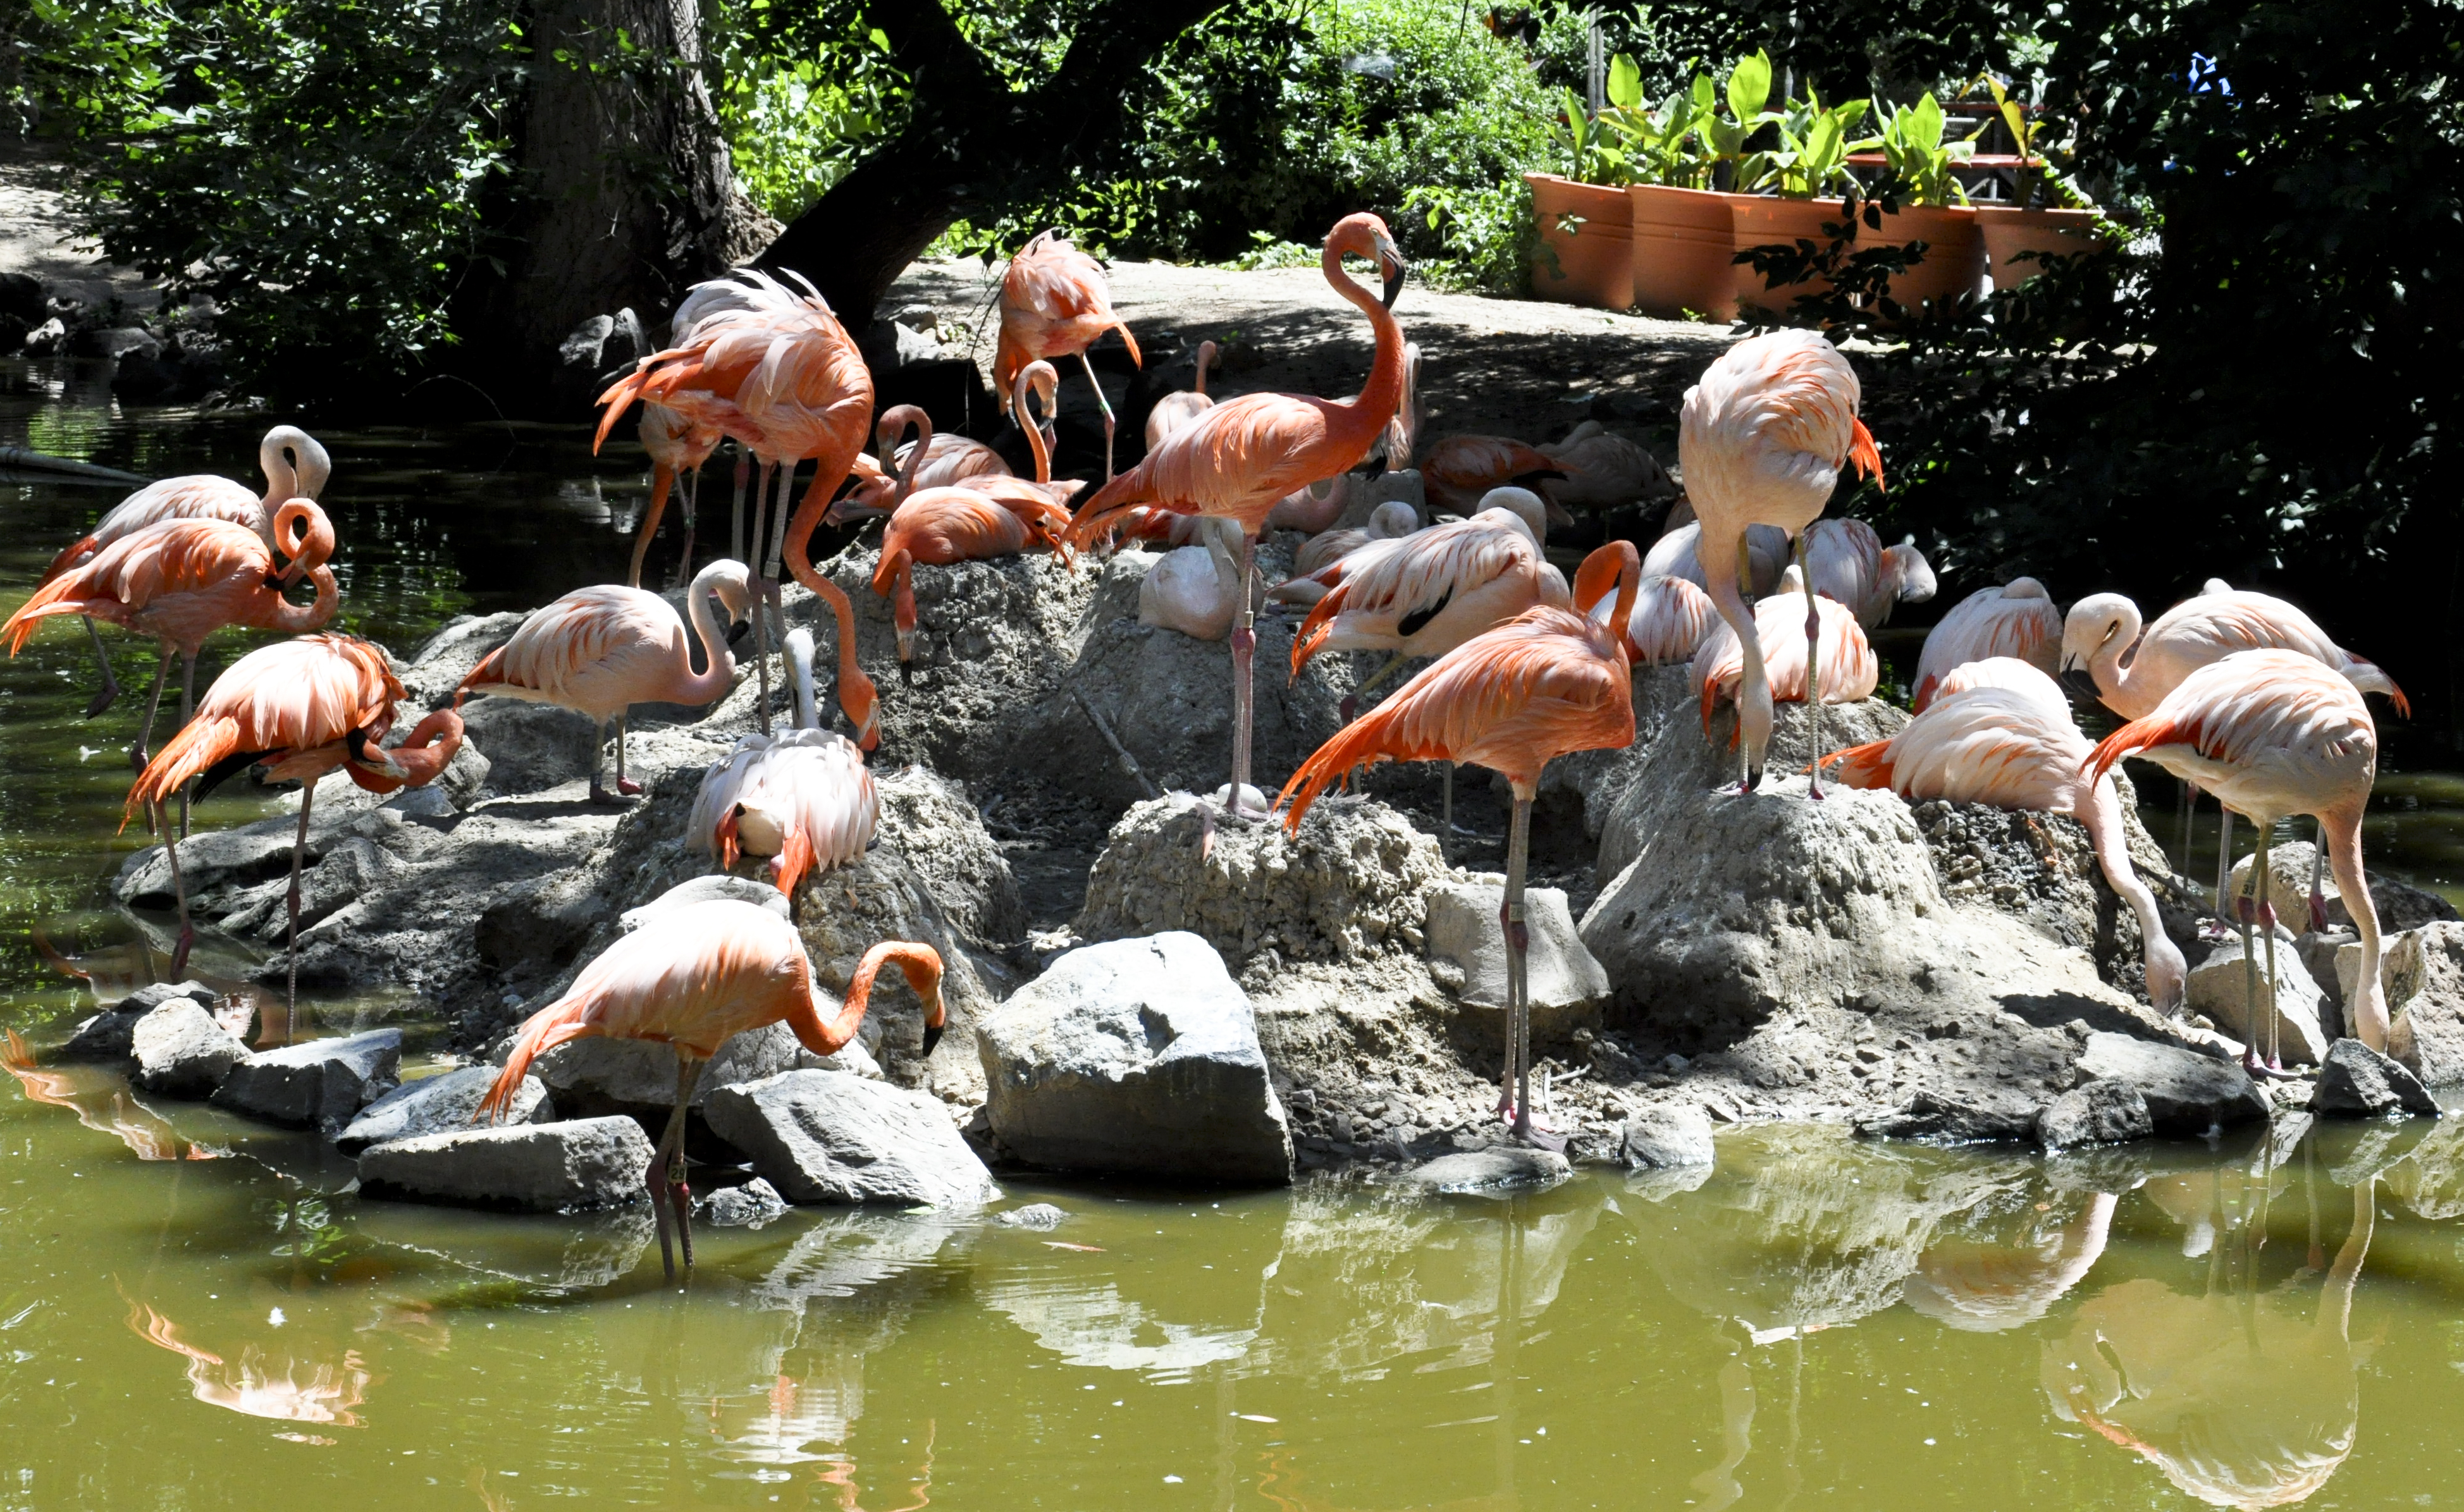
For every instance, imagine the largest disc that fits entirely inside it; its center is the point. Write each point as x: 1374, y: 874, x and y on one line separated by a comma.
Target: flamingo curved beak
x: 1391, y: 264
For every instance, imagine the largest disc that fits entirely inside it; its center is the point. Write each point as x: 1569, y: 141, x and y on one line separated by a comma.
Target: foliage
x: 1811, y: 158
x: 802, y: 97
x: 1913, y: 148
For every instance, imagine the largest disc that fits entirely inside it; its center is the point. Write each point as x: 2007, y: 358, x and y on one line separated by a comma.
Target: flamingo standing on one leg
x: 1240, y: 458
x: 678, y: 446
x: 1543, y: 684
x: 803, y: 797
x: 2001, y: 732
x: 1181, y: 406
x: 181, y: 580
x: 601, y: 651
x: 295, y: 466
x: 1054, y: 302
x: 2272, y: 733
x: 301, y: 709
x: 708, y: 971
x: 1764, y: 438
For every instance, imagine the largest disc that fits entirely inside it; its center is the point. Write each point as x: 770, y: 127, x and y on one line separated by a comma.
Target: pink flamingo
x: 1181, y: 406
x: 708, y: 973
x: 2016, y: 620
x: 181, y: 580
x: 1670, y: 619
x: 1240, y: 458
x: 1764, y: 438
x: 803, y: 797
x: 677, y: 445
x: 1674, y: 554
x: 940, y: 526
x: 1602, y: 469
x: 1054, y: 302
x: 601, y: 651
x: 2000, y: 731
x: 1846, y: 659
x: 1459, y: 471
x: 1850, y: 563
x: 1543, y: 684
x: 2272, y: 734
x: 1392, y: 520
x: 300, y: 709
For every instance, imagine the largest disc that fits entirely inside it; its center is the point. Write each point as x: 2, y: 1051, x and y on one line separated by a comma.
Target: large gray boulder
x: 824, y: 1136
x: 107, y: 1036
x: 2423, y: 972
x: 441, y: 1104
x: 530, y: 1168
x: 596, y: 1074
x: 1566, y: 985
x: 2187, y: 1093
x: 2110, y: 1112
x: 2358, y: 1081
x: 2220, y: 987
x: 181, y: 1052
x: 316, y: 1083
x: 1660, y: 1137
x: 1136, y: 1056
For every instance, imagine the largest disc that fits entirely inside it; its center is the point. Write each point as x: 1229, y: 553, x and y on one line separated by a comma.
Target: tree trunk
x: 972, y: 146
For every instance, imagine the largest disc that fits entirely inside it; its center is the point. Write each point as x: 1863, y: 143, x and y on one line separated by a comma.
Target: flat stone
x: 749, y: 1206
x: 441, y: 1104
x: 2220, y: 989
x: 2358, y: 1081
x: 1659, y: 1137
x: 1954, y: 1118
x: 316, y: 1083
x: 1138, y: 1055
x: 2095, y: 1114
x: 718, y: 886
x: 181, y: 1052
x: 106, y: 1037
x: 596, y: 1074
x: 1567, y: 983
x: 1502, y: 1168
x: 1043, y: 1218
x: 824, y: 1136
x: 2187, y: 1093
x: 530, y: 1168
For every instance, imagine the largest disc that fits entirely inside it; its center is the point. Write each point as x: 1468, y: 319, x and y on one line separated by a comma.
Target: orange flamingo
x: 1181, y: 406
x: 1054, y: 302
x: 301, y: 709
x: 1764, y: 438
x: 677, y: 445
x: 1392, y: 520
x: 1846, y: 658
x: 1459, y: 471
x: 183, y: 579
x: 803, y: 797
x: 1240, y: 458
x: 2000, y: 731
x: 940, y: 526
x: 2016, y: 619
x: 1543, y: 684
x: 2272, y: 734
x: 709, y: 972
x: 295, y: 466
x: 601, y: 651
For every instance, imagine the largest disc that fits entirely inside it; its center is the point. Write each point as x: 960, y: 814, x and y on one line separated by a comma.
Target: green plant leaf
x: 1625, y: 81
x: 1749, y: 85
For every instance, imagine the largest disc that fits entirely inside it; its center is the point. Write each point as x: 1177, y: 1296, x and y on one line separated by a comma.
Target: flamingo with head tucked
x: 803, y: 797
x: 1054, y: 302
x: 1848, y: 671
x: 2016, y: 619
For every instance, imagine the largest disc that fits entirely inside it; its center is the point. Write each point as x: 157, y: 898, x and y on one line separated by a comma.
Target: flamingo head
x: 1364, y: 235
x: 2098, y: 623
x: 732, y: 583
x: 860, y: 703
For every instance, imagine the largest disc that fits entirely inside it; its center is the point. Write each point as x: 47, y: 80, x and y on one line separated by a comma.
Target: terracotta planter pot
x: 1953, y: 263
x: 2008, y: 233
x: 1684, y: 247
x: 1759, y: 220
x: 1592, y: 263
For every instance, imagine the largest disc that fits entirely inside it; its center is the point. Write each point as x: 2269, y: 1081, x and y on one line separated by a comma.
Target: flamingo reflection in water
x: 297, y: 1390
x: 116, y: 1114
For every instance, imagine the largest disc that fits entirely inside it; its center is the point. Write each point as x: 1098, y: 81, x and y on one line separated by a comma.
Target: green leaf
x: 1625, y: 81
x: 1926, y: 129
x: 1749, y: 85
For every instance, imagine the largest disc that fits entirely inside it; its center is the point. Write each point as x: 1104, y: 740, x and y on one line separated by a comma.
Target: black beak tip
x: 1395, y: 284
x: 2079, y: 682
x: 737, y: 632
x: 931, y: 1039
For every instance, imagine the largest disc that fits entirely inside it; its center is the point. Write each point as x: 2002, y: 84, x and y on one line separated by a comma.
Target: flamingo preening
x: 707, y: 972
x: 1546, y: 683
x: 1847, y: 560
x: 1054, y: 302
x: 803, y: 797
x: 1670, y: 620
x: 1764, y: 438
x: 1240, y: 458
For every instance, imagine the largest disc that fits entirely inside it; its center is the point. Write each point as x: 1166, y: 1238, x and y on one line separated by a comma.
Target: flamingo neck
x: 718, y: 662
x: 2105, y: 665
x: 1383, y: 391
x: 919, y: 964
x: 2099, y: 811
x: 299, y: 617
x: 281, y: 479
x: 856, y: 696
x: 799, y: 663
x: 831, y: 466
x: 1034, y: 434
x: 2368, y: 1017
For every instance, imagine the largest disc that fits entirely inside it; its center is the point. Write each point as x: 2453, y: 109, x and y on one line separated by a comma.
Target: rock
x: 529, y: 1168
x: 106, y: 1035
x: 539, y: 919
x: 595, y: 1074
x: 2288, y: 883
x: 1502, y: 1168
x: 1136, y: 1056
x: 1953, y: 1119
x: 2095, y: 1114
x: 2423, y: 971
x: 2358, y: 1081
x: 716, y: 886
x: 1662, y: 1137
x: 1042, y: 1217
x: 318, y: 1084
x: 943, y: 838
x: 2318, y: 950
x: 441, y: 1104
x: 1566, y: 986
x: 2187, y: 1093
x: 2219, y: 987
x: 530, y: 747
x: 181, y: 1052
x: 47, y: 338
x: 154, y: 994
x: 820, y: 1136
x: 114, y: 342
x: 749, y: 1206
x: 21, y: 295
x: 2402, y: 906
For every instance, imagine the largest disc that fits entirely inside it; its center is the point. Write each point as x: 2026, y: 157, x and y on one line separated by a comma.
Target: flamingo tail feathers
x: 1862, y: 766
x: 549, y: 1027
x: 1864, y: 454
x: 200, y: 745
x: 1370, y: 738
x: 2137, y: 736
x: 69, y: 559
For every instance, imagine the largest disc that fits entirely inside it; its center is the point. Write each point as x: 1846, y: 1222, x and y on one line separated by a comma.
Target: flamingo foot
x: 628, y: 787
x: 1250, y: 805
x: 1539, y: 1137
x: 2214, y: 932
x: 606, y: 799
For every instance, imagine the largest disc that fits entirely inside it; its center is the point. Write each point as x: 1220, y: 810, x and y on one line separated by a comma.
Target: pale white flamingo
x: 1182, y: 406
x: 2017, y: 618
x: 803, y: 797
x: 1392, y: 520
x: 1671, y: 618
x: 1849, y: 562
x: 1676, y: 555
x: 1849, y: 670
x: 1196, y: 589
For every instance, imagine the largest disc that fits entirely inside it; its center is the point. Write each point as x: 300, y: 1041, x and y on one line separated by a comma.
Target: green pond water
x: 197, y: 1312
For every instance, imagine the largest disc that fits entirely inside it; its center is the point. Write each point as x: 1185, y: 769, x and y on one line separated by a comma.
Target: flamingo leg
x: 2265, y: 880
x: 2317, y: 865
x: 1518, y: 979
x: 142, y: 751
x: 1813, y: 669
x: 735, y: 524
x: 2254, y: 1005
x: 1104, y: 405
x: 760, y: 602
x: 1237, y: 799
x: 599, y: 793
x: 1753, y: 688
x: 2224, y: 860
x: 624, y: 785
x: 670, y: 1198
x: 188, y: 711
x: 179, y: 891
x: 110, y: 693
x: 290, y: 899
x: 2188, y: 805
x: 693, y: 499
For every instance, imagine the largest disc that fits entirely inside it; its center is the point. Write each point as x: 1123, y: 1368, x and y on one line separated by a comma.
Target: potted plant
x: 1810, y: 161
x: 1586, y: 250
x: 1932, y: 208
x: 2048, y: 217
x: 1684, y: 238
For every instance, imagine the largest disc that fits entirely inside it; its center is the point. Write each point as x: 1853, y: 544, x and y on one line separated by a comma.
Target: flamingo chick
x: 601, y: 651
x: 705, y: 974
x: 2016, y: 620
x: 1849, y: 672
x: 803, y: 799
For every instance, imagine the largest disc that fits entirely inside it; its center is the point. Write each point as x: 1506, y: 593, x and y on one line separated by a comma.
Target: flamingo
x: 2016, y: 619
x: 677, y: 445
x: 2001, y: 732
x: 1196, y: 589
x: 1543, y: 684
x: 1054, y: 302
x: 1031, y: 496
x: 1670, y: 619
x: 1181, y: 406
x: 301, y: 709
x: 1764, y: 438
x: 940, y: 526
x: 295, y: 466
x: 803, y: 799
x: 1676, y: 555
x: 181, y: 580
x: 1459, y: 471
x: 1846, y: 659
x: 775, y: 370
x: 2272, y: 733
x: 709, y: 972
x: 949, y: 458
x: 601, y: 651
x: 1392, y: 520
x: 1242, y: 457
x: 1849, y: 562
x: 1603, y: 470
